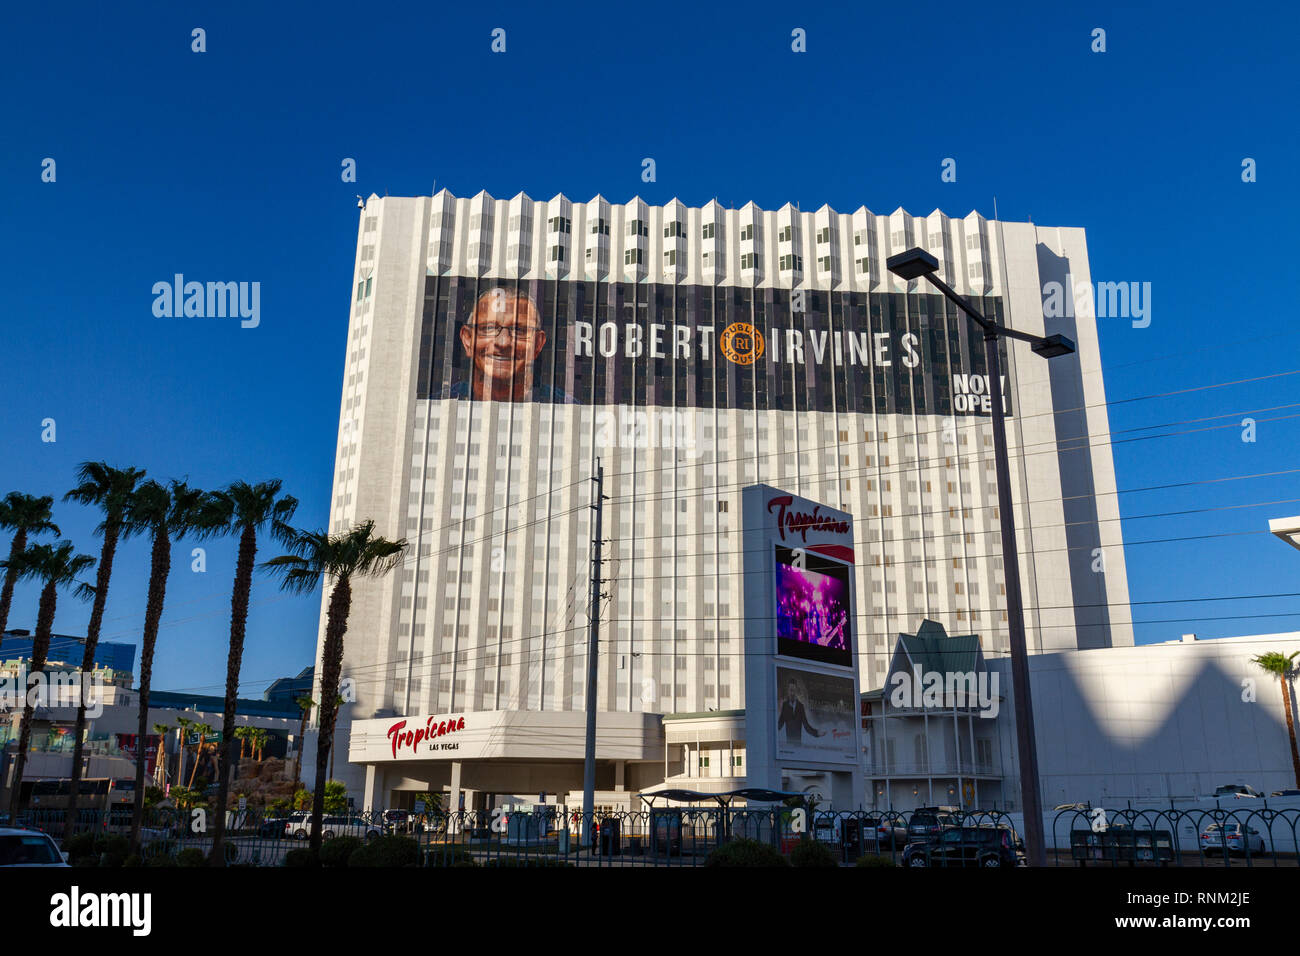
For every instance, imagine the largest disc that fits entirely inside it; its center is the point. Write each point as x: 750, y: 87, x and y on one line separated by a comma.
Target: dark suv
x: 990, y: 846
x: 926, y: 823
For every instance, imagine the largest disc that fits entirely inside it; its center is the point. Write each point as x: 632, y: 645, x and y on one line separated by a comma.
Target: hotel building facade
x: 695, y: 351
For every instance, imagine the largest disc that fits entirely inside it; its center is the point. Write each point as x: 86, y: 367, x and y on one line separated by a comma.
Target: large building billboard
x: 816, y: 718
x: 801, y: 681
x: 691, y: 346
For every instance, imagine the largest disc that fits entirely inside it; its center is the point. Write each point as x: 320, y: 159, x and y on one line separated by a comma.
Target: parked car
x: 21, y: 847
x: 398, y: 821
x: 986, y: 846
x: 300, y: 828
x: 926, y: 823
x: 1237, y: 790
x: 1286, y: 793
x: 889, y: 831
x: 1236, y: 837
x: 275, y: 827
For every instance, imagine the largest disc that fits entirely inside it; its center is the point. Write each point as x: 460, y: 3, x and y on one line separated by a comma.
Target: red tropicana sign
x: 801, y: 522
x: 399, y: 736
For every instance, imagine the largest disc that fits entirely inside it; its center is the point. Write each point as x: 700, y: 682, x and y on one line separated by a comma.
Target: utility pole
x: 593, y: 642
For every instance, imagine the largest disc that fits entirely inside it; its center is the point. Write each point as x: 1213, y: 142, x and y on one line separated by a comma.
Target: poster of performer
x: 815, y: 717
x: 812, y: 608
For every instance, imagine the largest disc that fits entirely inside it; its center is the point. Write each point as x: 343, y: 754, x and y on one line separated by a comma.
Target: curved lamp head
x: 912, y: 264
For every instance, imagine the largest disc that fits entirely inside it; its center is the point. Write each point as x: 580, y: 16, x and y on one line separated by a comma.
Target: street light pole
x: 912, y: 265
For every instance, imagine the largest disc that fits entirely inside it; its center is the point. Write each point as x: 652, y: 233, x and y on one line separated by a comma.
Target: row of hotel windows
x: 677, y: 229
x: 748, y: 260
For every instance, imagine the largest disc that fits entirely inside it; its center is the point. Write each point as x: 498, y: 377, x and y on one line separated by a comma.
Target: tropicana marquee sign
x: 400, y: 737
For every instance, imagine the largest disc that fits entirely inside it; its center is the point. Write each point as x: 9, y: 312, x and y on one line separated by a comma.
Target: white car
x: 332, y: 827
x: 20, y: 847
x: 1216, y: 836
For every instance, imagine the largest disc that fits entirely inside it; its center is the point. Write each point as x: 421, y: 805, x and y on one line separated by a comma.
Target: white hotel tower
x: 864, y: 395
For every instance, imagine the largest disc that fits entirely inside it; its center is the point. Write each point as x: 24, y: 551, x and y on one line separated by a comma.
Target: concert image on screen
x: 812, y: 609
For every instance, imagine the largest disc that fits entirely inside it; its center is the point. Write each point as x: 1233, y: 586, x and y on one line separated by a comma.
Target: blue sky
x: 225, y: 165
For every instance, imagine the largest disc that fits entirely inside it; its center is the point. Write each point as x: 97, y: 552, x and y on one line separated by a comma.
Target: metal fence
x: 1254, y: 835
x: 684, y: 836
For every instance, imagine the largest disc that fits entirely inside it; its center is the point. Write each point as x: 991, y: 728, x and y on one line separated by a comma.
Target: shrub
x: 449, y: 855
x: 83, y: 844
x: 133, y: 861
x: 813, y: 853
x: 191, y: 856
x: 387, y: 851
x: 303, y: 857
x: 335, y: 851
x: 745, y: 853
x: 875, y: 859
x: 90, y: 849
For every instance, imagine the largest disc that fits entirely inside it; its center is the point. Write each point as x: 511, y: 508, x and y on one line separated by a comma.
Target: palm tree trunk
x: 297, y: 757
x: 160, y: 566
x: 40, y: 649
x: 18, y: 546
x: 238, y: 622
x: 1290, y: 729
x: 105, y: 573
x: 198, y: 756
x: 336, y: 625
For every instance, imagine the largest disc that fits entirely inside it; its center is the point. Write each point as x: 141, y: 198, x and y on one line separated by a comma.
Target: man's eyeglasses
x: 489, y: 331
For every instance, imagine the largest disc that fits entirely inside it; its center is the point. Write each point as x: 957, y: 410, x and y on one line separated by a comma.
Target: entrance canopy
x: 755, y: 794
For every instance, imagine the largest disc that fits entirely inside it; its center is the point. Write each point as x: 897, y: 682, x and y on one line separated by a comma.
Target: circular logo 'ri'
x: 741, y: 343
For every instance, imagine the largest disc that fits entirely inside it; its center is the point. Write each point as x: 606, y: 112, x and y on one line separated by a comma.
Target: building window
x: 632, y: 257
x: 747, y: 232
x: 560, y: 224
x: 864, y: 266
x: 824, y: 263
x: 674, y: 229
x: 670, y: 257
x: 791, y: 262
x: 557, y: 253
x: 824, y: 235
x: 638, y: 227
x: 599, y: 227
x: 748, y: 260
x: 708, y: 230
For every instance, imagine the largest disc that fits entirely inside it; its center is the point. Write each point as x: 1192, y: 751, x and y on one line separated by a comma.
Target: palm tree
x: 314, y: 556
x: 165, y: 513
x: 183, y: 724
x: 242, y: 734
x: 55, y: 566
x: 260, y: 736
x: 1282, y: 666
x: 109, y: 489
x: 203, y: 732
x: 305, y: 704
x: 244, y: 510
x: 24, y: 515
x: 162, y: 730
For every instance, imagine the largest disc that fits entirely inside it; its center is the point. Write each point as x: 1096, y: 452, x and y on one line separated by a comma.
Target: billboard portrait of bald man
x: 502, y: 338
